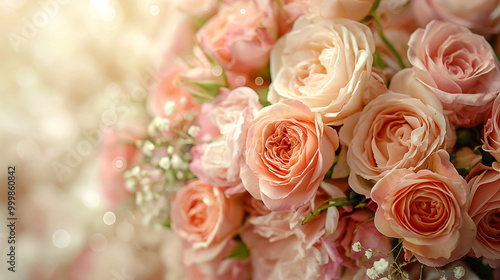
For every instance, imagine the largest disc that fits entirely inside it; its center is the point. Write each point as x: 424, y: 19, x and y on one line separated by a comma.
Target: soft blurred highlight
x: 70, y: 72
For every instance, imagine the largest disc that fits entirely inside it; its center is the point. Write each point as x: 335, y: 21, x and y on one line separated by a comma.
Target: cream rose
x: 459, y: 67
x: 324, y: 64
x: 480, y: 15
x: 288, y: 152
x: 205, y: 219
x: 428, y: 210
x: 491, y: 131
x: 394, y: 131
x: 484, y: 209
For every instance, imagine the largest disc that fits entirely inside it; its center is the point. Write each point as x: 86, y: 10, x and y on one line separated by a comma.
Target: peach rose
x: 205, y: 219
x: 324, y: 64
x: 480, y: 15
x: 351, y: 9
x: 428, y: 210
x: 394, y: 131
x: 166, y: 91
x: 491, y: 131
x: 240, y: 36
x: 288, y: 152
x: 459, y: 67
x: 484, y: 209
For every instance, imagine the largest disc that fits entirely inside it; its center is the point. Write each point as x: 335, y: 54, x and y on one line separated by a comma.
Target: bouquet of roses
x: 327, y: 139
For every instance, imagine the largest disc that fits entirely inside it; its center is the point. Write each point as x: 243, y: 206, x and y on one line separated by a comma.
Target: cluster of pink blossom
x: 328, y: 139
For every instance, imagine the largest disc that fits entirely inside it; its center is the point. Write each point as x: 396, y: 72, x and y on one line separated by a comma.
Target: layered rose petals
x: 288, y: 152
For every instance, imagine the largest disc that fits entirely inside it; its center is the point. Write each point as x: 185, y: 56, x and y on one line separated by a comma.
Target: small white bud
x: 170, y: 149
x: 381, y: 265
x: 164, y: 163
x: 384, y: 278
x: 459, y: 272
x: 176, y: 162
x: 183, y: 101
x: 368, y: 253
x: 356, y: 247
x: 148, y: 148
x: 169, y: 108
x: 371, y: 273
x: 193, y: 131
x: 443, y: 278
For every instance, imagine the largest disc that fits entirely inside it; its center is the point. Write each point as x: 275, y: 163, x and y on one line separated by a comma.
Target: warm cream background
x: 68, y: 69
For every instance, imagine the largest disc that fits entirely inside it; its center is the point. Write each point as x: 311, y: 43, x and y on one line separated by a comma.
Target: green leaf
x: 239, y: 251
x: 211, y: 88
x: 167, y: 224
x: 378, y: 61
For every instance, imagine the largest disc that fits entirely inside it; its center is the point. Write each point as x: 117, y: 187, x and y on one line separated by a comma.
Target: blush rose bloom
x: 288, y: 152
x: 480, y: 15
x: 394, y: 131
x: 205, y: 219
x: 325, y: 64
x: 282, y: 248
x: 165, y: 90
x: 459, y: 67
x: 428, y: 210
x: 484, y: 209
x: 240, y: 36
x: 218, y: 162
x: 491, y: 131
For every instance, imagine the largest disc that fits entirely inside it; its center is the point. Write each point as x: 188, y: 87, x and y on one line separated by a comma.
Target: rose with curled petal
x: 205, y: 219
x: 459, y: 67
x: 241, y: 35
x: 479, y: 15
x: 428, y: 210
x: 491, y: 131
x: 288, y: 152
x: 325, y: 64
x: 394, y: 131
x: 484, y: 209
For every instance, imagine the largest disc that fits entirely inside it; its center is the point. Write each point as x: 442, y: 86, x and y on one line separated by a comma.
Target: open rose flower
x: 484, y: 209
x: 480, y: 15
x: 428, y: 210
x: 240, y: 36
x: 205, y: 219
x: 218, y: 162
x: 324, y: 64
x: 491, y: 131
x: 288, y: 152
x: 459, y: 67
x: 394, y: 131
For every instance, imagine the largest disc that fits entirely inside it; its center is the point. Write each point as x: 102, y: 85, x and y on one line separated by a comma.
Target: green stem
x: 385, y: 40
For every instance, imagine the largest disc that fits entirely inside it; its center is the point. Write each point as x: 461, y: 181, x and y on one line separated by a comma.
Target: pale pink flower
x: 428, y: 210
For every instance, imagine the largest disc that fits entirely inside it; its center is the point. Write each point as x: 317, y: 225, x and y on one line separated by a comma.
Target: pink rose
x: 231, y: 112
x: 479, y: 15
x: 288, y: 152
x: 491, y: 131
x: 117, y: 153
x: 484, y: 209
x: 282, y: 248
x: 166, y: 92
x: 324, y: 64
x: 205, y: 219
x: 428, y: 210
x: 459, y: 67
x: 394, y: 131
x: 240, y: 36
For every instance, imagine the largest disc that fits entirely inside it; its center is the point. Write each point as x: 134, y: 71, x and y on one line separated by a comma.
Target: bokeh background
x: 69, y: 71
